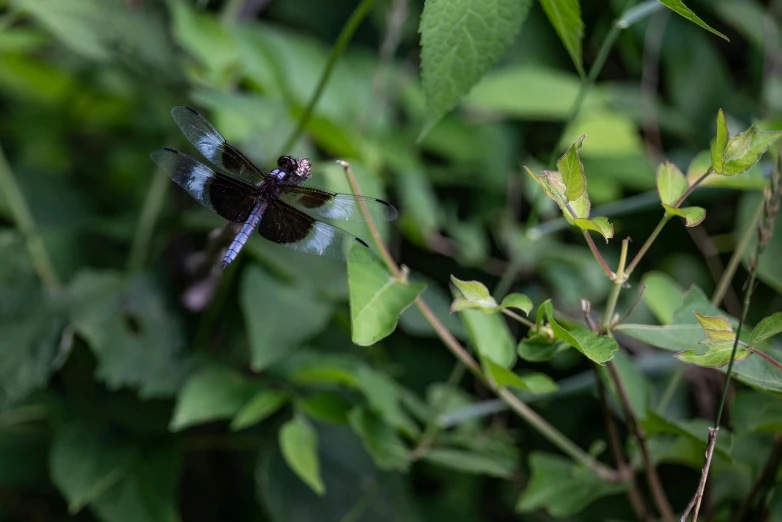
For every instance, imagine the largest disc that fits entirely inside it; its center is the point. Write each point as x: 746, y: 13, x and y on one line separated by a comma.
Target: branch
x: 696, y: 500
x: 658, y: 493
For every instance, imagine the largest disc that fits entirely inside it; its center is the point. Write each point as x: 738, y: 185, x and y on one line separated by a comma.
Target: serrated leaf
x: 671, y: 183
x: 598, y: 224
x: 693, y: 216
x: 470, y: 462
x: 598, y: 348
x: 387, y: 449
x: 274, y: 323
x: 538, y: 383
x: 565, y: 17
x: 767, y: 328
x: 210, y: 394
x: 518, y: 301
x: 719, y: 144
x: 570, y: 168
x: 561, y: 487
x: 716, y: 355
x: 678, y: 7
x: 460, y: 41
x: 260, y: 406
x: 299, y: 445
x: 376, y: 301
x: 745, y: 149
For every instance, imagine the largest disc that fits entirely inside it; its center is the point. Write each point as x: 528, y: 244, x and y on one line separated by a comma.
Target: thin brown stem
x: 692, y: 187
x: 658, y: 493
x: 598, y: 255
x: 522, y: 320
x: 461, y: 353
x: 647, y: 243
x: 633, y: 493
x: 696, y: 500
x: 766, y: 357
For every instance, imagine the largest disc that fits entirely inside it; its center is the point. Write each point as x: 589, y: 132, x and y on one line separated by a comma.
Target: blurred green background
x: 119, y: 396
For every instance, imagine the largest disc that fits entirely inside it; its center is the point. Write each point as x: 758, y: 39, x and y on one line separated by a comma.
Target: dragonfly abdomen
x: 253, y: 220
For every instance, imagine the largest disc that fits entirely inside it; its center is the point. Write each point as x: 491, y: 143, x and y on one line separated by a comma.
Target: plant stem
x: 23, y: 218
x: 598, y: 255
x: 696, y: 500
x: 735, y: 259
x: 616, y: 287
x: 658, y: 493
x: 538, y: 423
x: 522, y: 320
x: 766, y: 357
x: 693, y: 187
x: 150, y: 211
x: 647, y: 244
x: 633, y: 493
x: 339, y: 46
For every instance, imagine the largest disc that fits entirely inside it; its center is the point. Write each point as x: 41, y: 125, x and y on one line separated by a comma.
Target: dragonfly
x: 277, y: 203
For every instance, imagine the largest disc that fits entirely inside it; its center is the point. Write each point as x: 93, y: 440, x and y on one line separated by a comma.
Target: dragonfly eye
x: 287, y: 164
x: 304, y: 168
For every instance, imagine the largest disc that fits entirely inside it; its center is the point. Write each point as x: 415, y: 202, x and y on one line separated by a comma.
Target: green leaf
x: 598, y: 224
x: 518, y: 301
x: 381, y: 393
x: 147, y: 491
x: 299, y: 445
x: 136, y: 340
x: 695, y: 430
x: 209, y: 41
x: 326, y: 406
x: 678, y: 7
x: 598, y: 348
x: 581, y: 206
x: 561, y: 487
x: 569, y: 165
x: 693, y: 216
x: 259, y: 407
x: 767, y: 328
x: 274, y: 323
x: 376, y: 301
x: 84, y: 465
x: 210, y: 394
x: 745, y: 149
x: 663, y: 295
x: 538, y: 383
x: 471, y: 462
x: 539, y: 348
x: 474, y: 295
x: 490, y: 336
x: 671, y: 183
x: 755, y: 412
x: 565, y: 17
x: 460, y: 41
x: 716, y: 355
x: 635, y: 383
x: 387, y: 449
x: 719, y: 144
x: 552, y: 186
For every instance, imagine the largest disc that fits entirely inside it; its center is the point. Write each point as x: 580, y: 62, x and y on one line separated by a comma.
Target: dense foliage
x: 509, y: 355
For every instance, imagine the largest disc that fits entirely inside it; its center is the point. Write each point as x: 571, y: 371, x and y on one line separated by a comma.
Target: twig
x: 25, y: 222
x: 633, y: 307
x: 538, y: 423
x: 633, y: 493
x: 339, y: 46
x: 648, y: 243
x: 598, y: 255
x: 766, y: 357
x: 696, y: 500
x: 523, y: 320
x: 618, y: 280
x: 658, y: 493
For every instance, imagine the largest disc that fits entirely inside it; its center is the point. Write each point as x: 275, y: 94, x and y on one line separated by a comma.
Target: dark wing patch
x: 332, y: 205
x: 229, y: 197
x: 214, y: 147
x: 294, y: 229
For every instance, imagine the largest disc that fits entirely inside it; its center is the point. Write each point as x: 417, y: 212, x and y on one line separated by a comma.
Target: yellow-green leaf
x: 519, y: 301
x: 745, y: 150
x: 598, y: 348
x: 719, y: 144
x: 671, y: 183
x: 552, y: 186
x: 717, y: 328
x: 716, y: 355
x: 693, y: 216
x: 571, y: 171
x: 538, y: 383
x: 766, y: 329
x: 565, y: 17
x: 598, y: 224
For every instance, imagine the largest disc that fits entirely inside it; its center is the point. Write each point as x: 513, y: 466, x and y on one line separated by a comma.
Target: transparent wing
x: 213, y: 146
x: 229, y: 197
x: 332, y: 205
x: 294, y: 229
